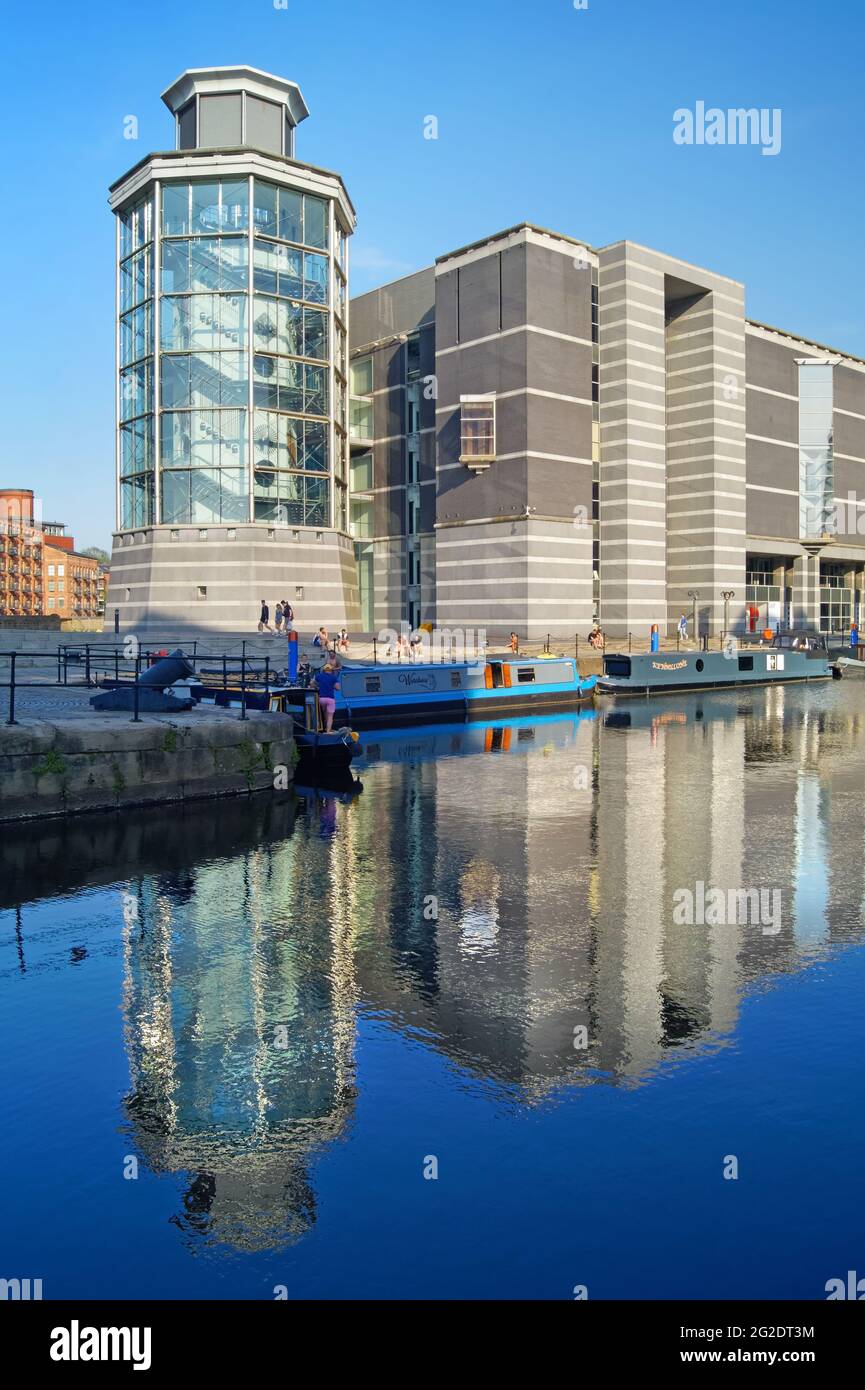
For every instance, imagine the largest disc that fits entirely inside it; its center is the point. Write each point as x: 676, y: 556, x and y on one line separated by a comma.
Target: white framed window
x: 477, y: 431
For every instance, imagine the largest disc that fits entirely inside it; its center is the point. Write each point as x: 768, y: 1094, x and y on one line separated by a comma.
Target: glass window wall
x: 206, y: 333
x: 816, y: 451
x: 203, y: 379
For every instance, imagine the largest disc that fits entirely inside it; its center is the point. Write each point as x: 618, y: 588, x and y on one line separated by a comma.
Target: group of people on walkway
x: 283, y: 616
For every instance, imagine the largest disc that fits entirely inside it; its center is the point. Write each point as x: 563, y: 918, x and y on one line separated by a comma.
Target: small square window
x: 175, y: 535
x: 202, y: 591
x: 202, y: 535
x: 232, y: 534
x: 298, y: 591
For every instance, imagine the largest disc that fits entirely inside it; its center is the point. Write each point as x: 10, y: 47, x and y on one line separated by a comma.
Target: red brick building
x: 71, y: 582
x: 41, y: 572
x: 21, y: 556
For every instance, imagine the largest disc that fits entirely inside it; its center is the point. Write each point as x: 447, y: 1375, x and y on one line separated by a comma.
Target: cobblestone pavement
x: 50, y: 702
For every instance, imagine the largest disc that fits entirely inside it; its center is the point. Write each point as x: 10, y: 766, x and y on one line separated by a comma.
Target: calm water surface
x: 285, y: 1012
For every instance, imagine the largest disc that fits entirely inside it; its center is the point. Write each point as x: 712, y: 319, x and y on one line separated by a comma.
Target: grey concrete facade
x: 639, y: 415
x: 169, y: 579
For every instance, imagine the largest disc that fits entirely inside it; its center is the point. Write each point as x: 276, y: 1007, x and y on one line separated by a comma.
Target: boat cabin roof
x: 802, y: 637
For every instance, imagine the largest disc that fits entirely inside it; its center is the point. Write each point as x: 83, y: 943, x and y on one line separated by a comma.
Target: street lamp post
x: 694, y: 595
x: 726, y: 595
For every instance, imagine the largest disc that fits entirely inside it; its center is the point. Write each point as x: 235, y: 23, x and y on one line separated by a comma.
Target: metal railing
x: 108, y: 666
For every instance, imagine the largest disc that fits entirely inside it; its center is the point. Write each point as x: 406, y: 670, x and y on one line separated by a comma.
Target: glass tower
x: 232, y: 293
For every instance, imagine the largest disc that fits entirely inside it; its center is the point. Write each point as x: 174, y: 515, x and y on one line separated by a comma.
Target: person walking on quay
x: 288, y: 615
x: 264, y: 619
x: 683, y: 628
x: 277, y: 618
x: 328, y: 684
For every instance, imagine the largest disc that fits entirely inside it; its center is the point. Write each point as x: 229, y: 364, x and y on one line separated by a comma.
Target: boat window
x: 617, y: 665
x: 746, y: 663
x: 373, y: 685
x: 496, y: 671
x: 525, y: 674
x: 456, y: 678
x: 700, y: 663
x: 774, y: 661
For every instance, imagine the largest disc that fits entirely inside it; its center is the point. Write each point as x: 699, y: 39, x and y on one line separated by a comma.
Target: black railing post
x: 267, y: 682
x: 136, y: 693
x: 224, y: 671
x: 87, y: 664
x: 243, y: 687
x: 116, y: 666
x: 374, y: 653
x: 12, y: 719
x: 629, y: 644
x: 117, y: 622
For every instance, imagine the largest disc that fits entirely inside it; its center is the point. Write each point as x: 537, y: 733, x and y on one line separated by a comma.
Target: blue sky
x: 546, y: 113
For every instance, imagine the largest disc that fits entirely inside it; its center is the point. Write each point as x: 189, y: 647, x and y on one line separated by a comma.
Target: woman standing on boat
x: 328, y: 684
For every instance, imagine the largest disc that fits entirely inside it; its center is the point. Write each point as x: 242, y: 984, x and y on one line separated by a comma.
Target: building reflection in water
x: 491, y: 896
x: 239, y: 1003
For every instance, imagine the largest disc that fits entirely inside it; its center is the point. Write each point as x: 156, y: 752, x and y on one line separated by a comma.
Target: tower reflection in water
x: 239, y: 1001
x: 492, y: 896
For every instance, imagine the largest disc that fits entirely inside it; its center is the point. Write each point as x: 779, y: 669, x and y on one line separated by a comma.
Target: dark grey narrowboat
x: 790, y: 656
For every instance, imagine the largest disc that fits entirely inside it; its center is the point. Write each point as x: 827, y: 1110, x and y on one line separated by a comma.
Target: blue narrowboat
x: 459, y: 690
x: 396, y: 693
x: 790, y: 656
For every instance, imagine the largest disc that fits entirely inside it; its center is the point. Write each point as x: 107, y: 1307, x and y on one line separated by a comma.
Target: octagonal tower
x: 232, y: 332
